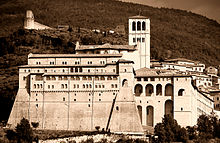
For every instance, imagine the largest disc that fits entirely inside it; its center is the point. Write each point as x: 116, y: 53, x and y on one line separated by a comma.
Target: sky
x: 208, y: 8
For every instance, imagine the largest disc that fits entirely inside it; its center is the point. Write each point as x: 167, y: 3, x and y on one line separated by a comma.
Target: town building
x: 110, y: 86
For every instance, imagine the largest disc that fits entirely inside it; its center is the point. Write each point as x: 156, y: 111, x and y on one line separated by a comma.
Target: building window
x: 24, y: 78
x: 52, y: 86
x: 180, y: 92
x: 152, y: 79
x: 63, y: 98
x: 89, y: 78
x: 138, y: 39
x: 115, y: 78
x: 117, y: 108
x: 134, y: 40
x: 143, y: 39
x: 80, y: 69
x: 65, y: 85
x: 109, y: 78
x: 138, y: 26
x: 138, y: 79
x: 96, y: 78
x: 84, y: 78
x: 62, y: 86
x: 102, y: 78
x: 143, y: 26
x: 48, y: 86
x: 100, y: 100
x: 112, y: 86
x: 133, y: 26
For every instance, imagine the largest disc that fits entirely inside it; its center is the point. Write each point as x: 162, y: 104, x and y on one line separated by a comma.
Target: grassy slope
x: 174, y: 33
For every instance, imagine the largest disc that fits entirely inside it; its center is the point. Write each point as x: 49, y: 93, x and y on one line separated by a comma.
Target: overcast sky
x: 208, y: 8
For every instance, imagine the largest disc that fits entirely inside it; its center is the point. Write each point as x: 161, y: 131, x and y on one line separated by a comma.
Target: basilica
x: 114, y: 87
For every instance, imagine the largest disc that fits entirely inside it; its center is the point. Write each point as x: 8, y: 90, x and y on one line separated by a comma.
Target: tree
x: 169, y: 130
x: 24, y: 131
x: 205, y: 127
x: 191, y: 132
x: 160, y: 132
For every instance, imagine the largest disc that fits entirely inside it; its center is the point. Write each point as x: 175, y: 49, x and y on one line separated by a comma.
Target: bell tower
x: 139, y: 34
x: 29, y: 20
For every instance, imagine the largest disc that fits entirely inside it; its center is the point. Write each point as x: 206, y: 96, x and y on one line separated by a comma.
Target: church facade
x: 110, y: 86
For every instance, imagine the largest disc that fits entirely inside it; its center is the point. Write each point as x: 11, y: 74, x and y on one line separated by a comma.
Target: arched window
x: 138, y: 26
x: 143, y: 26
x: 169, y: 90
x: 169, y: 107
x: 76, y: 69
x: 180, y: 92
x: 150, y: 116
x: 80, y: 69
x: 125, y: 83
x: 159, y: 89
x: 133, y: 26
x: 140, y: 112
x: 149, y: 89
x: 138, y: 89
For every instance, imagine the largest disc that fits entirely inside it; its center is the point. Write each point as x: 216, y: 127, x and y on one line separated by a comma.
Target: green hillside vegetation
x: 174, y: 33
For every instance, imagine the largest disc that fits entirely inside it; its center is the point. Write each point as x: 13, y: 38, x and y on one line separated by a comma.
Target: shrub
x: 24, y: 131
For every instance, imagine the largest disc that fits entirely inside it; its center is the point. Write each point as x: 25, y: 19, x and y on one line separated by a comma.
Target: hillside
x: 174, y: 33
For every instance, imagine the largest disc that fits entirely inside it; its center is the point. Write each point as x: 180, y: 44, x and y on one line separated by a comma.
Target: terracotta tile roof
x: 146, y: 72
x: 71, y: 55
x: 105, y: 46
x: 124, y: 61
